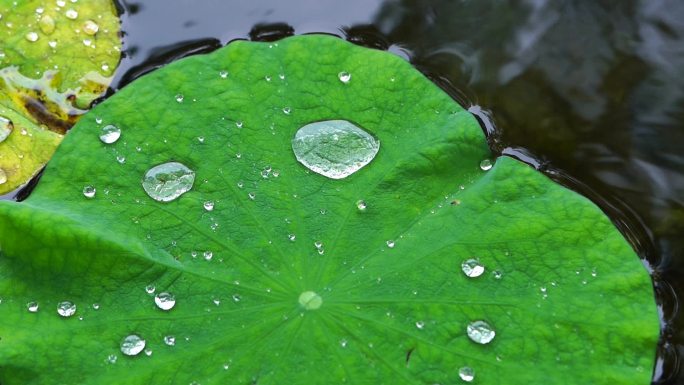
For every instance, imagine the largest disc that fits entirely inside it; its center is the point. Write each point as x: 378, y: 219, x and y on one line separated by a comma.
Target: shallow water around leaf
x: 593, y: 95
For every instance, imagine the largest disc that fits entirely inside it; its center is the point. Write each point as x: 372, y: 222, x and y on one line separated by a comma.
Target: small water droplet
x: 209, y: 205
x: 90, y: 27
x: 309, y: 300
x: 149, y: 289
x: 343, y: 343
x: 472, y: 268
x: 466, y: 373
x: 344, y: 77
x: 148, y: 352
x: 251, y: 196
x: 238, y: 124
x: 334, y: 148
x: 237, y: 298
x: 96, y: 306
x: 497, y: 274
x: 168, y: 181
x: 480, y: 332
x: 112, y: 358
x: 287, y: 110
x: 361, y: 205
x: 71, y: 14
x: 52, y: 44
x: 208, y: 255
x: 268, y: 78
x: 32, y: 36
x: 121, y: 159
x: 390, y: 244
x: 420, y: 325
x: 281, y: 76
x: 291, y: 237
x: 6, y: 127
x: 132, y: 345
x: 486, y: 165
x: 179, y: 98
x: 32, y: 307
x: 66, y: 308
x: 200, y: 139
x: 318, y: 244
x: 165, y: 301
x: 223, y: 74
x: 110, y: 134
x: 46, y: 24
x: 3, y: 176
x: 226, y: 366
x: 170, y: 340
x: 89, y: 191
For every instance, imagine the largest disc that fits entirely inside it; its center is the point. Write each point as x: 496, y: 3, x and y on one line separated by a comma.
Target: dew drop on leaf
x: 6, y: 128
x: 31, y: 36
x: 149, y: 289
x: 66, y: 308
x: 112, y: 358
x: 480, y: 332
x: 132, y: 345
x: 110, y: 134
x: 46, y: 24
x: 168, y: 181
x: 466, y: 373
x: 472, y: 268
x: 344, y: 77
x: 90, y: 27
x: 170, y: 340
x: 71, y: 14
x: 3, y: 176
x: 223, y: 74
x: 165, y: 301
x: 334, y: 148
x: 179, y: 98
x: 32, y: 307
x: 390, y: 244
x: 486, y: 165
x: 89, y: 191
x: 420, y: 325
x: 361, y: 205
x: 309, y: 300
x: 287, y: 110
x: 209, y: 205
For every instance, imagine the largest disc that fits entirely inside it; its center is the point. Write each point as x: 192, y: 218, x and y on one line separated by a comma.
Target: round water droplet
x: 497, y: 274
x: 361, y: 205
x: 466, y: 373
x: 90, y: 27
x: 472, y: 268
x: 89, y: 192
x: 149, y: 289
x: 179, y: 98
x: 121, y: 159
x: 420, y: 325
x: 334, y: 148
x: 223, y: 74
x: 132, y: 345
x: 148, y: 352
x: 238, y: 124
x: 165, y: 301
x: 309, y: 300
x: 6, y: 127
x: 3, y: 176
x: 343, y: 343
x: 110, y: 134
x: 236, y: 298
x: 31, y: 36
x: 71, y: 14
x: 480, y: 332
x: 46, y: 24
x: 170, y: 340
x: 291, y: 237
x: 486, y: 165
x: 66, y: 309
x: 209, y: 205
x: 32, y: 307
x: 96, y: 306
x: 168, y: 181
x: 390, y: 244
x: 344, y: 77
x: 208, y: 255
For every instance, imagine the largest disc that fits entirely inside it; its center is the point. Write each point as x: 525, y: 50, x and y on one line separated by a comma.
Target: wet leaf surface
x: 55, y: 59
x: 426, y: 264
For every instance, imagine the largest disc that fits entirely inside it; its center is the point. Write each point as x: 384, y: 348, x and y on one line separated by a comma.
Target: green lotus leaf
x: 309, y: 212
x: 55, y: 59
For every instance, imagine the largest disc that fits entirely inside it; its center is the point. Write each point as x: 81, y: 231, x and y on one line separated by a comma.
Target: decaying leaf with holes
x: 55, y: 59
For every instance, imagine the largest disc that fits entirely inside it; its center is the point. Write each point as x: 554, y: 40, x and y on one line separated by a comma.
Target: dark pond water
x: 590, y: 92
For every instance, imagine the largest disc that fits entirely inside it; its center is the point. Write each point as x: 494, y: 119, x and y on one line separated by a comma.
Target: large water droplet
x: 66, y: 308
x: 90, y: 27
x: 344, y: 77
x: 132, y: 345
x: 31, y: 36
x: 310, y: 300
x: 466, y: 373
x: 480, y: 332
x: 472, y: 268
x: 165, y: 301
x: 6, y: 128
x: 110, y: 134
x: 168, y: 181
x: 46, y: 24
x: 334, y: 148
x: 486, y: 165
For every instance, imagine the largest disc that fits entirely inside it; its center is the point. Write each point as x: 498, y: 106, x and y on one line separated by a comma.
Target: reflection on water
x: 591, y: 92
